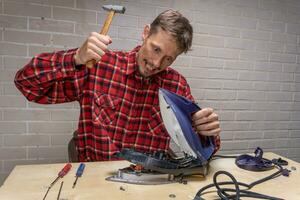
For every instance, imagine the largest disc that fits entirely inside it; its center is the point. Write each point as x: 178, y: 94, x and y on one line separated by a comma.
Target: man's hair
x: 177, y: 25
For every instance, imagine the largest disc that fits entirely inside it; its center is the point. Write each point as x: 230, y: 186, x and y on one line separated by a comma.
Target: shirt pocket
x: 155, y: 124
x: 105, y: 108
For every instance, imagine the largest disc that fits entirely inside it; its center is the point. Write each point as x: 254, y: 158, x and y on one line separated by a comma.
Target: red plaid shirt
x: 119, y: 108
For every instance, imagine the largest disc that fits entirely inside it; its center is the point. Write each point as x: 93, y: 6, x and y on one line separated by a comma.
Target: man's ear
x: 146, y: 32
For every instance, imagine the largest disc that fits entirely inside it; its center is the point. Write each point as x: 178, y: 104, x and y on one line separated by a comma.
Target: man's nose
x: 157, y: 63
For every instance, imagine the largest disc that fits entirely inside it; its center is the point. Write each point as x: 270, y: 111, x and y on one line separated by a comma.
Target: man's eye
x: 156, y: 50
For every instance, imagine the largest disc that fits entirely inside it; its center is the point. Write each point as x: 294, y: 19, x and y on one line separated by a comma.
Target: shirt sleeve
x: 51, y: 78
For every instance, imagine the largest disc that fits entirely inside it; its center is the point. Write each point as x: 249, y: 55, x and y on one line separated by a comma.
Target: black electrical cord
x: 236, y: 193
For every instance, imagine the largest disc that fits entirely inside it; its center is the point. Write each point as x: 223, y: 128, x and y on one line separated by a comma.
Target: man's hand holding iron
x: 206, y: 122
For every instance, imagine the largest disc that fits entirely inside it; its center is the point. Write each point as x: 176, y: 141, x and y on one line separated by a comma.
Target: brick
x: 12, y: 101
x: 12, y: 127
x: 49, y: 25
x: 235, y: 105
x: 35, y: 50
x: 27, y: 9
x: 68, y: 3
x: 251, y: 95
x: 26, y: 115
x: 13, y: 22
x: 27, y: 37
x: 223, y: 53
x: 226, y: 115
x: 257, y: 13
x: 269, y: 125
x: 242, y: 135
x: 50, y: 127
x: 208, y: 84
x: 7, y: 75
x: 256, y: 35
x: 233, y: 145
x: 269, y: 47
x: 295, y: 116
x: 277, y: 116
x: 280, y: 77
x: 291, y: 68
x: 265, y: 106
x: 268, y: 67
x: 26, y: 140
x: 253, y: 56
x: 64, y: 115
x: 68, y: 41
x: 220, y: 95
x: 252, y: 76
x: 139, y: 9
x: 57, y: 152
x: 275, y: 134
x: 237, y: 85
x: 271, y: 26
x: 86, y: 29
x: 13, y: 63
x: 226, y: 135
x: 182, y: 61
x: 295, y: 143
x: 249, y: 116
x: 273, y: 5
x: 129, y: 33
x: 55, y: 106
x: 123, y: 44
x: 73, y: 15
x: 293, y: 49
x: 198, y: 51
x: 266, y: 86
x: 279, y: 96
x: 294, y: 133
x: 60, y: 139
x: 287, y: 38
x: 235, y: 43
x: 293, y: 28
x: 216, y: 31
x: 232, y: 21
x: 12, y: 153
x: 123, y: 20
x: 12, y: 49
x: 238, y: 65
x: 235, y: 126
x: 207, y: 63
x: 210, y: 41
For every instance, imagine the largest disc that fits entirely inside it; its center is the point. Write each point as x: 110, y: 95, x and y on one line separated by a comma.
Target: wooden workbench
x: 30, y: 182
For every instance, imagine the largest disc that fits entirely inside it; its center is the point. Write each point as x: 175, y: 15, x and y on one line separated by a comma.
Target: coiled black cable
x: 237, y: 193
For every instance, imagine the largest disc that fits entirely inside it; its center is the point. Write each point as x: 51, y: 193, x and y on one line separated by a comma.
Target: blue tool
x: 79, y: 173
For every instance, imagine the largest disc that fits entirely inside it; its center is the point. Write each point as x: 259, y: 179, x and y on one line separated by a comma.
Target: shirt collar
x: 132, y: 68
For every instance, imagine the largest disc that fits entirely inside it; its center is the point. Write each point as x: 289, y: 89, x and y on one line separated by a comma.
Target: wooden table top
x: 30, y: 182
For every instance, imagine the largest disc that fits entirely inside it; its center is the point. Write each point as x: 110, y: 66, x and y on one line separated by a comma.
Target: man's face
x: 158, y: 51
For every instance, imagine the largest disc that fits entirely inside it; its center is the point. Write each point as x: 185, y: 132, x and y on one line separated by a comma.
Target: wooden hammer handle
x: 104, y: 31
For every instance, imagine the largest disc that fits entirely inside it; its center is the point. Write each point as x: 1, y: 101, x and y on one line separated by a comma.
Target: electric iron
x: 187, y: 154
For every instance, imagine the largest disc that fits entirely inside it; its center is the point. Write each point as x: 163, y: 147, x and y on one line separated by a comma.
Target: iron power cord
x: 237, y: 193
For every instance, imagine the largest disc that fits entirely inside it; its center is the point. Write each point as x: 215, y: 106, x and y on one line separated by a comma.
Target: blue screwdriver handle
x: 80, y: 170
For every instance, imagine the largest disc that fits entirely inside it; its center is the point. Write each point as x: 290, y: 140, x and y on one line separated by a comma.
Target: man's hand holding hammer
x: 96, y: 44
x: 92, y: 49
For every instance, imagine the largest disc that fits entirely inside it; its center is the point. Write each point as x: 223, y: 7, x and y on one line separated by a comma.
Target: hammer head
x: 115, y: 8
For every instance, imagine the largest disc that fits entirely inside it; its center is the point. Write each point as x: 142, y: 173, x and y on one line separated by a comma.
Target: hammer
x: 112, y: 10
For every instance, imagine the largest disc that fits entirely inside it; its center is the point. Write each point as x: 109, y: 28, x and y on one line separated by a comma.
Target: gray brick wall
x: 245, y: 64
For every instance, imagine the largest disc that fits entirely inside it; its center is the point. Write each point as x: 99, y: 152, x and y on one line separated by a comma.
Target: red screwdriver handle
x: 65, y: 170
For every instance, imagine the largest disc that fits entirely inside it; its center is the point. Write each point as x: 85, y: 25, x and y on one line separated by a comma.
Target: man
x: 118, y: 96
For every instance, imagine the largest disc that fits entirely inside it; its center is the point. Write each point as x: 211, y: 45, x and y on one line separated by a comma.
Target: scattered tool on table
x: 79, y: 173
x: 61, y: 185
x: 113, y: 9
x: 61, y: 174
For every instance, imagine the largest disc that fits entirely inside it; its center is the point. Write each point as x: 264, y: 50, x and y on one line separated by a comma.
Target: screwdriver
x: 61, y: 174
x: 79, y: 173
